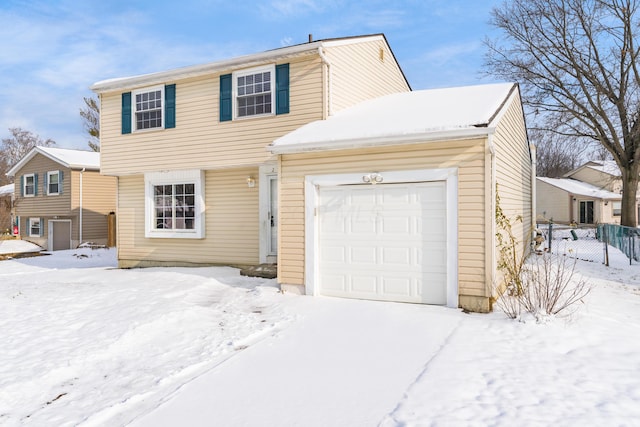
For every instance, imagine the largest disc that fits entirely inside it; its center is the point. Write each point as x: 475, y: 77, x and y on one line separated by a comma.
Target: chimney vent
x: 310, y: 37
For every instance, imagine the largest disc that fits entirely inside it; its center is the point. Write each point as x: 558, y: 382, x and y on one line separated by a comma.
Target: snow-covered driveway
x: 83, y: 343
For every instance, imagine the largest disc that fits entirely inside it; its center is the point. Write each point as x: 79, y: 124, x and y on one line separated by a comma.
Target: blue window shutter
x: 60, y: 184
x: 282, y: 89
x: 35, y: 184
x: 225, y: 98
x: 21, y: 185
x: 169, y: 106
x: 27, y: 231
x: 41, y: 227
x: 126, y: 112
x: 44, y: 186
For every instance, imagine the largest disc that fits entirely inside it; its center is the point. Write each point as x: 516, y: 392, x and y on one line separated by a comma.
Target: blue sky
x: 51, y: 51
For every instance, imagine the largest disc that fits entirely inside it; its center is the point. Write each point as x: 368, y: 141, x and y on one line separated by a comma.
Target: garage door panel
x: 384, y: 242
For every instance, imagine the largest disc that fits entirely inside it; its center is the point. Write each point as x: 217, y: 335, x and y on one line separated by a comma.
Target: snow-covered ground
x: 83, y: 343
x: 13, y: 246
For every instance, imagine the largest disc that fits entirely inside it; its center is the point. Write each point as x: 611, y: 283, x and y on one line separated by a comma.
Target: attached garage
x: 383, y: 242
x: 394, y: 199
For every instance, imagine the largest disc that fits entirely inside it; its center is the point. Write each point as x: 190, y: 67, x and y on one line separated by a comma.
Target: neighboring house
x: 196, y: 184
x: 589, y: 194
x: 395, y: 198
x: 61, y: 200
x: 6, y: 203
x: 567, y: 200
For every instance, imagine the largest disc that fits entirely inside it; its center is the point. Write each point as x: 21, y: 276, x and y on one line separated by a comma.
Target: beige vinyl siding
x: 514, y: 170
x: 597, y: 178
x: 43, y: 203
x: 468, y: 156
x: 42, y: 206
x: 98, y: 199
x: 552, y: 203
x: 199, y: 139
x: 231, y: 224
x: 359, y: 73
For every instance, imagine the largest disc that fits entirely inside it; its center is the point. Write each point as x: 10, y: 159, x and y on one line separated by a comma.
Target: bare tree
x: 555, y: 155
x: 577, y: 61
x: 91, y: 120
x: 18, y: 145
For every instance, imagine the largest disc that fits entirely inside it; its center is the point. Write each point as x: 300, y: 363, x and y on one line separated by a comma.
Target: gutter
x: 386, y: 140
x: 204, y: 69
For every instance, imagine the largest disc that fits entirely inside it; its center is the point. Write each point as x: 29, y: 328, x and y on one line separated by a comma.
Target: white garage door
x: 384, y: 242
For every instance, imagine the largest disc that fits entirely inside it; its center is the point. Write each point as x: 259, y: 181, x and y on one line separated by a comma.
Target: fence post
x: 605, y: 239
x: 630, y: 248
x: 550, y: 235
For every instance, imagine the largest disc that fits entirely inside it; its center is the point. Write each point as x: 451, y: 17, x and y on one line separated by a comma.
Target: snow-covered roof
x: 73, y: 159
x: 435, y: 114
x: 6, y: 190
x: 580, y: 188
x: 227, y: 64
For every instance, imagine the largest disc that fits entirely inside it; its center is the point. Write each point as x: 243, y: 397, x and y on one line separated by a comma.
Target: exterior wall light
x: 372, y: 178
x: 251, y: 182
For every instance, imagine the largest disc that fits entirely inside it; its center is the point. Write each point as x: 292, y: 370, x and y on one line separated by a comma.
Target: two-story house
x: 319, y: 157
x: 61, y: 199
x: 196, y: 183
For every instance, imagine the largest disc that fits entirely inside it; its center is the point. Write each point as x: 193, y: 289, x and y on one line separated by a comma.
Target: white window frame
x: 31, y: 222
x: 152, y: 179
x: 248, y: 72
x: 24, y: 185
x: 615, y: 203
x: 49, y: 175
x: 134, y: 111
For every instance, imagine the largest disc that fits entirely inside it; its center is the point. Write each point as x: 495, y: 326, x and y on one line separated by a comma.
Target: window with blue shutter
x: 35, y: 184
x: 226, y: 108
x: 61, y: 181
x: 126, y: 112
x: 169, y: 106
x: 282, y: 89
x: 21, y: 185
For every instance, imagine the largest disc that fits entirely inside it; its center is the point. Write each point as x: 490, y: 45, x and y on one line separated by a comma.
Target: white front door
x: 384, y: 242
x: 272, y: 239
x: 268, y: 194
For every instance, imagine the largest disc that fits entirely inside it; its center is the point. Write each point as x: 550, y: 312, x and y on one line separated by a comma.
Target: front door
x: 272, y: 240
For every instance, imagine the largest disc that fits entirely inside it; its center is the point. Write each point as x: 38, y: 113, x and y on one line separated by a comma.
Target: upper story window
x: 148, y: 110
x: 254, y: 92
x: 260, y: 91
x: 53, y: 184
x: 29, y: 185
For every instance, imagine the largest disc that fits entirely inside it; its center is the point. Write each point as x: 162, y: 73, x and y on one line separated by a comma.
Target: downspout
x: 327, y: 112
x: 80, y: 231
x: 534, y: 186
x: 490, y: 245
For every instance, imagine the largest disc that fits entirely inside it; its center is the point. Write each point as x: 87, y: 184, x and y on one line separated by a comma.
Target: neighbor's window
x: 53, y: 182
x: 30, y: 185
x: 174, y: 204
x: 34, y: 227
x: 617, y: 208
x: 254, y: 92
x: 147, y: 107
